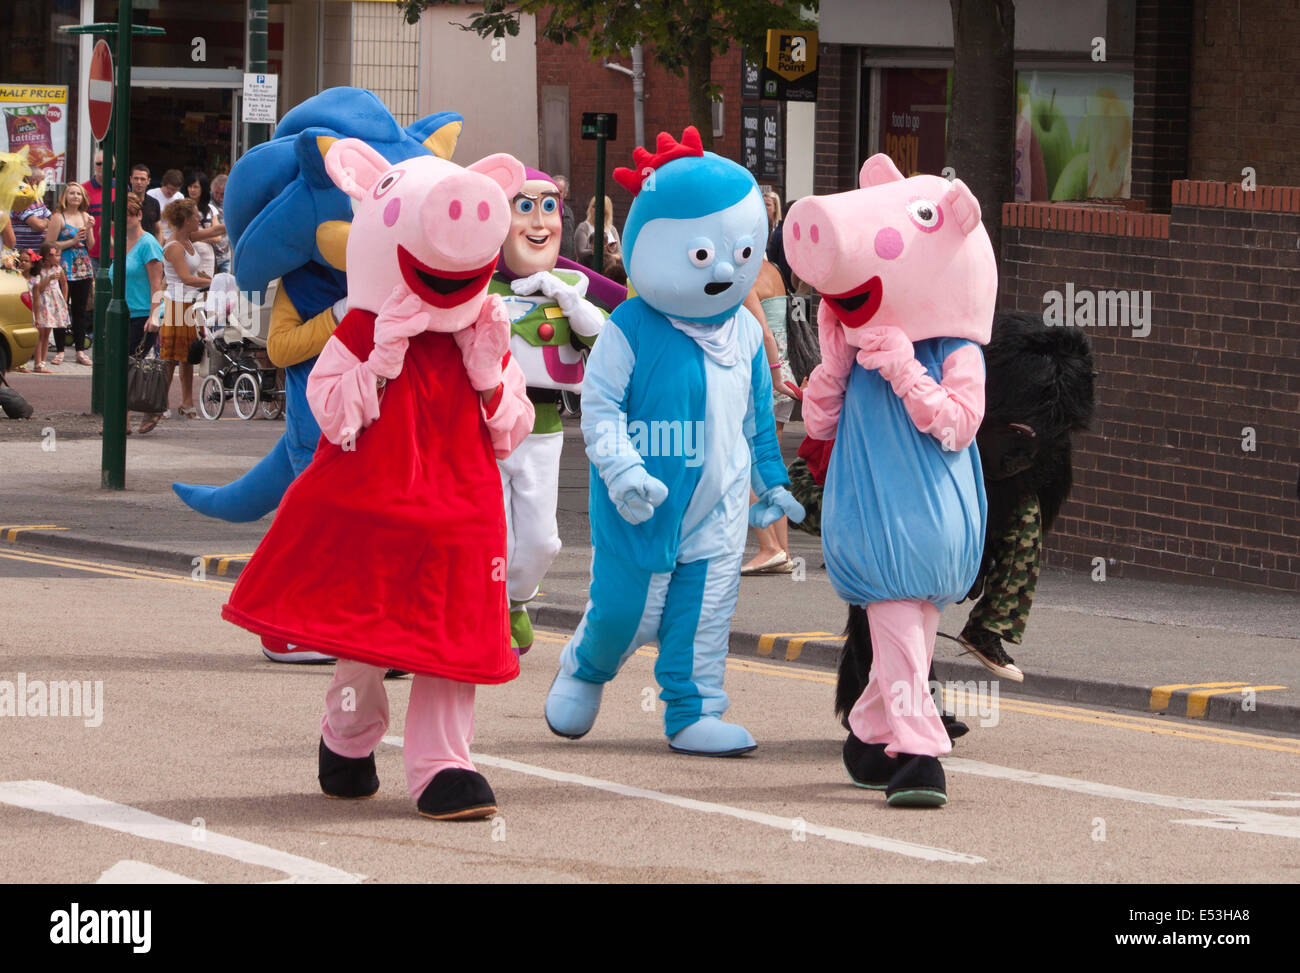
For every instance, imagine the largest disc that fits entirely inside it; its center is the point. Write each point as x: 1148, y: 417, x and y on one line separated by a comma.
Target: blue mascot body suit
x: 286, y: 219
x: 677, y: 419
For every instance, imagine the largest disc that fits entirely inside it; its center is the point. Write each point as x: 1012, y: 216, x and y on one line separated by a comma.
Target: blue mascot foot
x: 572, y: 705
x: 710, y: 737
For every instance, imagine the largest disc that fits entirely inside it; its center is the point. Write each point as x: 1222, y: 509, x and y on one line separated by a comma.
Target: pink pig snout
x: 464, y: 222
x: 826, y: 240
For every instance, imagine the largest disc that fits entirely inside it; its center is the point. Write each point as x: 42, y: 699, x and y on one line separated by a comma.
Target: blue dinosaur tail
x: 253, y: 495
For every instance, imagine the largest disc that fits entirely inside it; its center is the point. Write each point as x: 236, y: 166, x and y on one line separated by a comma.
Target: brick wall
x: 1163, y: 487
x: 1162, y: 61
x: 593, y: 87
x: 1245, y: 62
x: 835, y: 161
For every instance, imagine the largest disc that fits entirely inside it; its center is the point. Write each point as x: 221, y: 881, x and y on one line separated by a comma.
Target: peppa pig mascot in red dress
x: 389, y: 550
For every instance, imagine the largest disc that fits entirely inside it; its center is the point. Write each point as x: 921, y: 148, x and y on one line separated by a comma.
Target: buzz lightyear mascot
x: 552, y: 322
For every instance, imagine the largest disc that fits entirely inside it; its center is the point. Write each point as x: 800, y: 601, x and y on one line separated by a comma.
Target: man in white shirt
x: 169, y: 190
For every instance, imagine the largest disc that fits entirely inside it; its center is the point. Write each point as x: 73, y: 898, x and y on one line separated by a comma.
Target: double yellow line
x: 113, y: 571
x: 1140, y: 724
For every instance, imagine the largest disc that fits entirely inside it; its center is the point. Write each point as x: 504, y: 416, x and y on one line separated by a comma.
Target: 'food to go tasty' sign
x: 36, y: 116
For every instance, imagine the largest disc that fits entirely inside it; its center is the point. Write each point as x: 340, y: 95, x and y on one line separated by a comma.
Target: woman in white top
x: 184, y: 284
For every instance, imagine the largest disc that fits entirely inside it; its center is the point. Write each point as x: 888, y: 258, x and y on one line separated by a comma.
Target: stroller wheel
x: 247, y: 395
x: 212, y: 398
x: 273, y: 407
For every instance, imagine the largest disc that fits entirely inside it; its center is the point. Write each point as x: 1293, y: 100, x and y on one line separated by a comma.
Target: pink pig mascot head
x: 425, y: 225
x: 905, y: 253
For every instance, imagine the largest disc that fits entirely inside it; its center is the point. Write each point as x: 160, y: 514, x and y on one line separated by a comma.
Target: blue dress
x: 903, y: 518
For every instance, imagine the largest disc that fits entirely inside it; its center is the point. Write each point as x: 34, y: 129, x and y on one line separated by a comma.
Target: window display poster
x: 914, y: 118
x: 36, y: 116
x: 1074, y: 135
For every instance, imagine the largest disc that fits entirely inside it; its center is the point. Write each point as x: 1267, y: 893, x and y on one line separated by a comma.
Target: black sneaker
x: 988, y: 652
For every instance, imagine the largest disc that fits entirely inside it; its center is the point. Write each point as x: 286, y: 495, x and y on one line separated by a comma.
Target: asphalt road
x: 200, y: 763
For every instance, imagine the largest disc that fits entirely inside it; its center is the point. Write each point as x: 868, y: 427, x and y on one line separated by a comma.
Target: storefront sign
x: 914, y: 118
x: 36, y: 116
x: 790, y: 72
x: 760, y: 140
x: 259, y: 98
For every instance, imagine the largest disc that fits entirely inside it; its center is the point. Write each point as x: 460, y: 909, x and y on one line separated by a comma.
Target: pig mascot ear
x: 962, y: 204
x: 505, y: 170
x: 878, y: 170
x: 354, y: 166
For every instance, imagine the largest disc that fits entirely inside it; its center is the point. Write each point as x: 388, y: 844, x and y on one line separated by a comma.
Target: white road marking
x: 63, y: 802
x: 859, y: 838
x: 128, y: 872
x: 1233, y: 815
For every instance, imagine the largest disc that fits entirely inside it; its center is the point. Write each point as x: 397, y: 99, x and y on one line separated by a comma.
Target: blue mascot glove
x: 636, y: 494
x: 772, y: 506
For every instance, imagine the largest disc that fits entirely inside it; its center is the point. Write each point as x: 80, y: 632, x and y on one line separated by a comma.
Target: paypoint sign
x: 790, y: 71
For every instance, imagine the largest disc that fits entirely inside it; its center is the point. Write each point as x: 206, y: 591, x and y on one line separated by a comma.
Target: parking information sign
x: 259, y: 98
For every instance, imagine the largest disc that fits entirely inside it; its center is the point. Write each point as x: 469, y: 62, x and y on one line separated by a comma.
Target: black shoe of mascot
x: 1038, y: 390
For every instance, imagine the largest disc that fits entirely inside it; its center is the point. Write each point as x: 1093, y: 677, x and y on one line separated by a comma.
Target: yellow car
x: 17, y: 332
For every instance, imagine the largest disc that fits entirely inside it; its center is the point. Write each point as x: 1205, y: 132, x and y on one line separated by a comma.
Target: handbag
x: 147, y: 380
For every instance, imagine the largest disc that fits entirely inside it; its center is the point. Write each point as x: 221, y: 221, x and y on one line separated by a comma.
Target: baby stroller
x: 237, y: 364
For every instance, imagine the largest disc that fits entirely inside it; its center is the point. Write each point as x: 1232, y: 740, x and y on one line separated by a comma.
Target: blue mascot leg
x: 693, y: 641
x: 622, y: 615
x: 253, y: 495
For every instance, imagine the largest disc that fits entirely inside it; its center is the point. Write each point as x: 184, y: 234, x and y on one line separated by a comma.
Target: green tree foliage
x: 681, y: 35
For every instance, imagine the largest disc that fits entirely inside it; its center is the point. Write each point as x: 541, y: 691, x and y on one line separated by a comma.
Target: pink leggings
x: 439, y: 720
x: 896, y: 708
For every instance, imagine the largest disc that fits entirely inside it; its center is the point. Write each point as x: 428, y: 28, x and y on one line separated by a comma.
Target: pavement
x: 1222, y: 655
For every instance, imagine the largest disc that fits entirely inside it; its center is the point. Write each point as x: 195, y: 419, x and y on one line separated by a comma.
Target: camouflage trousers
x: 1003, y: 608
x: 805, y: 489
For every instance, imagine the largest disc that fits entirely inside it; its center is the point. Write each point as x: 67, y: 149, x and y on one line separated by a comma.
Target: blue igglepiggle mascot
x: 677, y: 418
x: 286, y: 219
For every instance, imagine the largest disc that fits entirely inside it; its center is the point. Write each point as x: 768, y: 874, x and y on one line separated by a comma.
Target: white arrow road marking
x: 1233, y: 815
x: 859, y: 838
x: 63, y: 802
x: 128, y: 872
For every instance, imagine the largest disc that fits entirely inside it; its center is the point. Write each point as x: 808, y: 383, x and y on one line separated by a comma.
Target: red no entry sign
x: 99, y: 96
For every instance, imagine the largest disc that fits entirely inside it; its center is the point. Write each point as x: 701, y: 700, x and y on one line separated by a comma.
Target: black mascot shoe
x: 955, y: 727
x: 919, y: 782
x: 455, y: 794
x: 347, y: 776
x: 867, y: 764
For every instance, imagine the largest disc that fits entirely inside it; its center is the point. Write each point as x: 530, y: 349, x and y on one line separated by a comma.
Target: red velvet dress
x: 393, y: 553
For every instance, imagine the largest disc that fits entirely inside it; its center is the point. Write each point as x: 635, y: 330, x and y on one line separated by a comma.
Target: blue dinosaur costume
x: 287, y: 220
x: 677, y: 418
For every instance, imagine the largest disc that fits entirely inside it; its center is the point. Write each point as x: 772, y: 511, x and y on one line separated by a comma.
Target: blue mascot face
x: 696, y: 232
x: 700, y: 269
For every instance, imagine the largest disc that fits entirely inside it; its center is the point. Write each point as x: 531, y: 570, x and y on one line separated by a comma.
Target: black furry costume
x: 1038, y: 390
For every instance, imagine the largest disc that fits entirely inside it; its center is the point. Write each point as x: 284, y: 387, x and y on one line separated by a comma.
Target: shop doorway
x: 183, y: 128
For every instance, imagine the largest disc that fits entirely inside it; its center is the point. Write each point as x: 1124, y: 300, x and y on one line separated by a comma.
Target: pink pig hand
x: 484, y: 343
x: 885, y: 349
x: 401, y: 317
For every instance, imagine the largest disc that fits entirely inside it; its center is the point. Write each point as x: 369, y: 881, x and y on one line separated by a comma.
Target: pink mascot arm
x: 342, y: 392
x: 952, y: 410
x: 824, y: 397
x: 509, y: 412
